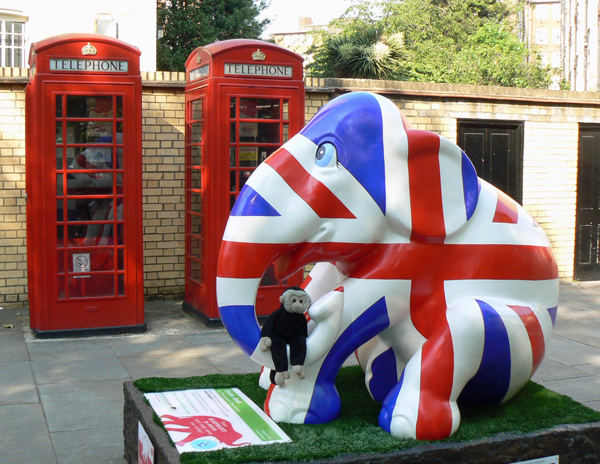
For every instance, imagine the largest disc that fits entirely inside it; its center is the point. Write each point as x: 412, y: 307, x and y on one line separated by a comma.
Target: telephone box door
x: 244, y: 99
x: 258, y: 126
x: 91, y: 247
x: 249, y: 129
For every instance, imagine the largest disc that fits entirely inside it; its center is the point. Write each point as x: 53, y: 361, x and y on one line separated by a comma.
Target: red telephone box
x: 84, y: 185
x: 244, y: 99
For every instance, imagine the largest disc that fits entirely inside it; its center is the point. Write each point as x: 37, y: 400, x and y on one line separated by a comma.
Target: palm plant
x: 366, y: 54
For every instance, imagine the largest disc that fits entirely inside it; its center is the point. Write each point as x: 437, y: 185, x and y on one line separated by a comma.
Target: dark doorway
x: 587, y: 262
x: 496, y: 150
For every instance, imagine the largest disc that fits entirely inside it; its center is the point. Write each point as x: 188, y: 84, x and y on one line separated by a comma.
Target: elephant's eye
x: 326, y: 155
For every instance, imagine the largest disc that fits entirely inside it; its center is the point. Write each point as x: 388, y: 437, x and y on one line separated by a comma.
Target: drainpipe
x: 586, y: 38
x: 563, y: 41
x: 575, y: 54
x: 598, y: 57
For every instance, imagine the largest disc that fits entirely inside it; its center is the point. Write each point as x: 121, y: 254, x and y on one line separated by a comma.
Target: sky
x: 284, y: 14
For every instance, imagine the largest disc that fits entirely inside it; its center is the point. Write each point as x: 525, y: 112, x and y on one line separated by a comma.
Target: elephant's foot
x: 430, y: 424
x: 420, y: 407
x: 300, y: 401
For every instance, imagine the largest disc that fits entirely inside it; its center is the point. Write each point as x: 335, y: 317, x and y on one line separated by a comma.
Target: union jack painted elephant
x: 444, y: 287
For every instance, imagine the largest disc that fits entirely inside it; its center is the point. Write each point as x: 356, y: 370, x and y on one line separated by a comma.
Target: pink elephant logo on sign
x: 203, y: 426
x: 445, y: 287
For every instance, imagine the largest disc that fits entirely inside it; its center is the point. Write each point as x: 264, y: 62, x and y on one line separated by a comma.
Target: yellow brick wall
x: 163, y: 142
x: 13, y: 255
x: 549, y: 169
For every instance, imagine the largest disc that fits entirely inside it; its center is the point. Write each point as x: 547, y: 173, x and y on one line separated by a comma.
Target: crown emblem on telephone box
x: 258, y: 55
x: 89, y: 49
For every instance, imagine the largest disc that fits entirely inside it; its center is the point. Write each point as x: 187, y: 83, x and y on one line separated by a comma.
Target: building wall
x: 163, y: 144
x: 543, y: 19
x: 581, y: 43
x: 550, y: 119
x: 133, y: 21
x: 13, y: 252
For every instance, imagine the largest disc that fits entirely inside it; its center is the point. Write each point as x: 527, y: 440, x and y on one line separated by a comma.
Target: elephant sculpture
x: 443, y: 286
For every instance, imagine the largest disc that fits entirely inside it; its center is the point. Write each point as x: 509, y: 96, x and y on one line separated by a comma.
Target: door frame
x: 579, y: 273
x: 518, y: 127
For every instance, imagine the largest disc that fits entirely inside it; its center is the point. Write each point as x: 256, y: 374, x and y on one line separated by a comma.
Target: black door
x: 587, y: 262
x: 496, y: 150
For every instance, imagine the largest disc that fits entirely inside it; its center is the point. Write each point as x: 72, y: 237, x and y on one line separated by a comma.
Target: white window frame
x: 8, y: 42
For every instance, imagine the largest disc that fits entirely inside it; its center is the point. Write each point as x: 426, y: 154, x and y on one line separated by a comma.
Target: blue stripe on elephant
x: 471, y: 185
x: 240, y: 322
x: 251, y: 203
x: 325, y: 403
x: 385, y: 375
x: 354, y: 124
x: 387, y: 409
x: 552, y: 312
x: 492, y: 380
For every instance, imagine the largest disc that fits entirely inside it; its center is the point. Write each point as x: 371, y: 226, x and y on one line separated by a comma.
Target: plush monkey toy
x: 287, y: 326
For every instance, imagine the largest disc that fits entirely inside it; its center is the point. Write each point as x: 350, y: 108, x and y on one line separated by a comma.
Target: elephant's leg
x: 322, y: 279
x: 384, y: 357
x: 315, y: 399
x: 484, y: 350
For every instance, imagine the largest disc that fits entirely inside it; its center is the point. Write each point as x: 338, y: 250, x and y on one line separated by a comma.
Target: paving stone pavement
x: 61, y: 400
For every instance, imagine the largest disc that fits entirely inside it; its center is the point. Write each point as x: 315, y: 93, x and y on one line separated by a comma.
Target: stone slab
x: 16, y: 383
x: 573, y: 443
x: 86, y: 446
x: 24, y: 437
x: 83, y: 365
x: 82, y: 405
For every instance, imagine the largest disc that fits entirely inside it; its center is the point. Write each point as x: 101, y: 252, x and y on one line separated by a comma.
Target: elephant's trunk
x: 240, y: 269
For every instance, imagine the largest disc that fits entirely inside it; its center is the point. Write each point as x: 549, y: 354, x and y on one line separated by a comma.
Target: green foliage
x: 495, y: 56
x: 356, y: 431
x: 453, y: 41
x: 364, y: 54
x: 189, y: 24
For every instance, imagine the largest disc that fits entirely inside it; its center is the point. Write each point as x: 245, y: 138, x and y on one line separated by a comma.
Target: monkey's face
x: 295, y: 301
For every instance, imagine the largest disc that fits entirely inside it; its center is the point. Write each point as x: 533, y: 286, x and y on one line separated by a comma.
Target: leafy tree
x: 454, y: 41
x: 494, y: 56
x: 189, y: 24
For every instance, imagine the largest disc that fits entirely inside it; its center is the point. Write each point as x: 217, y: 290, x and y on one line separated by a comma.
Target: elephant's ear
x: 443, y: 186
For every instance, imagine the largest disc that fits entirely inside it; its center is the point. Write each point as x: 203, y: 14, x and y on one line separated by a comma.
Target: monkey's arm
x: 266, y: 333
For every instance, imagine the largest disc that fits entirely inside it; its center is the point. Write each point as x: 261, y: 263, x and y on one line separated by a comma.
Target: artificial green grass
x: 534, y: 408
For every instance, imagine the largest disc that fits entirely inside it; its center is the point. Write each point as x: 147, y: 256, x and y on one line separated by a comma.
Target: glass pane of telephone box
x: 59, y: 132
x: 196, y: 202
x: 89, y: 158
x: 259, y: 108
x: 85, y: 106
x: 196, y: 132
x: 59, y: 105
x: 196, y: 178
x: 232, y: 108
x: 195, y: 156
x: 248, y: 156
x: 197, y: 109
x: 89, y: 132
x: 260, y: 132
